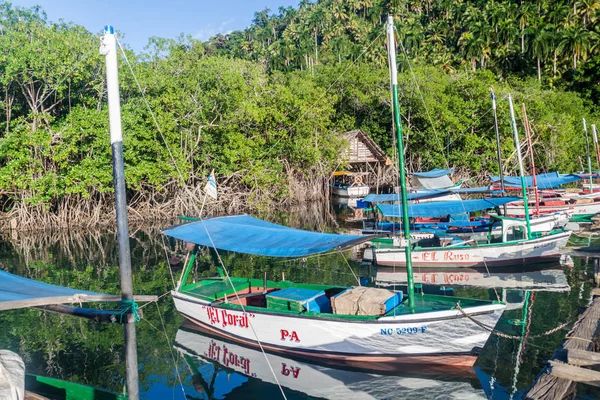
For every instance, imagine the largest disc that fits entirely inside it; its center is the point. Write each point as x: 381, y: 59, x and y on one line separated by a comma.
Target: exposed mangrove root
x: 147, y: 204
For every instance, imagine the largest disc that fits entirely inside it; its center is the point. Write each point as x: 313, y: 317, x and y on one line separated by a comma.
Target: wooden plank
x: 33, y: 396
x: 583, y: 358
x: 110, y: 316
x: 78, y: 298
x: 548, y: 386
x: 575, y: 374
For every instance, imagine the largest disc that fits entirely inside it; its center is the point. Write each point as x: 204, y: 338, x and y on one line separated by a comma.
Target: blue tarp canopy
x: 427, y: 194
x: 544, y: 181
x: 434, y: 173
x: 444, y: 208
x: 383, y: 198
x: 18, y: 292
x: 475, y: 190
x: 246, y: 234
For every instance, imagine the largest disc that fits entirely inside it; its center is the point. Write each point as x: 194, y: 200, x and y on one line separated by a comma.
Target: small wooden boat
x: 433, y: 331
x: 510, y: 247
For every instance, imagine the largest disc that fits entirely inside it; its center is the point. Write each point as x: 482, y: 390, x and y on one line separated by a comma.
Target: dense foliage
x: 264, y: 107
x: 555, y: 40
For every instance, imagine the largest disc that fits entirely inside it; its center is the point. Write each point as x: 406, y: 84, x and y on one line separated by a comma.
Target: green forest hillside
x: 265, y: 107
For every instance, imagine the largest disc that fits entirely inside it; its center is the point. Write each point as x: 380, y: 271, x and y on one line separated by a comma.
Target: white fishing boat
x: 349, y: 184
x: 320, y: 321
x: 315, y: 380
x: 512, y: 246
x: 248, y: 310
x: 552, y: 201
x: 580, y: 207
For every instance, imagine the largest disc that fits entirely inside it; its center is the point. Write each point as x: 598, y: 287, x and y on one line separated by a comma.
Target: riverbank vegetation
x: 265, y: 107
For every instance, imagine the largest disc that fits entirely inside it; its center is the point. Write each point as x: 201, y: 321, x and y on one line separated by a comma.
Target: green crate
x: 284, y: 304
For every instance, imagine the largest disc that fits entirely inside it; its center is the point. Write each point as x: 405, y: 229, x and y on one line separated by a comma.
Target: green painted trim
x: 525, y: 204
x: 448, y: 303
x: 402, y: 173
x: 188, y: 267
x: 184, y: 218
x: 45, y: 385
x: 581, y: 218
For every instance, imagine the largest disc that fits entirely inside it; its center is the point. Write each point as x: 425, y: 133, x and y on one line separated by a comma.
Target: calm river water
x: 177, y: 363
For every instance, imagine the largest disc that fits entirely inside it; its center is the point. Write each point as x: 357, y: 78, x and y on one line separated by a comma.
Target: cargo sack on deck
x: 12, y: 376
x: 365, y: 301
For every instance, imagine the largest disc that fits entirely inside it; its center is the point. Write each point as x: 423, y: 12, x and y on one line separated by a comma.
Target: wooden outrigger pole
x: 109, y: 50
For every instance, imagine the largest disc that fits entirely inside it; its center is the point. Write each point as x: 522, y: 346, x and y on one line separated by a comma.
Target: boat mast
x: 596, y: 144
x: 589, y: 159
x: 396, y: 109
x: 109, y: 50
x: 518, y: 147
x: 498, y: 149
x: 533, y: 173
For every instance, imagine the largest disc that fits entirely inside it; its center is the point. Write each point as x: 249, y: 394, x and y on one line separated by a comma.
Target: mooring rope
x: 129, y: 306
x: 164, y: 332
x: 243, y: 309
x: 505, y: 335
x: 350, y: 268
x: 437, y: 139
x: 187, y: 189
x: 168, y: 263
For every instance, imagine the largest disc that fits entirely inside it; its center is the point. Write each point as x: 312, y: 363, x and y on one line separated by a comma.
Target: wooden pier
x: 575, y: 361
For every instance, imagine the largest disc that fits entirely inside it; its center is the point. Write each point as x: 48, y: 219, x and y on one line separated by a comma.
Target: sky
x: 138, y: 20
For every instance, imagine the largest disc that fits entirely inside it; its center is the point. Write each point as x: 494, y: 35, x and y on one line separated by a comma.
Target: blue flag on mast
x: 211, y: 186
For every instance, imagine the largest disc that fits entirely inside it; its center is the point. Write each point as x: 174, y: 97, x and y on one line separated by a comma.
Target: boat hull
x: 546, y: 248
x: 441, y: 337
x: 323, y: 379
x: 576, y: 209
x: 352, y: 191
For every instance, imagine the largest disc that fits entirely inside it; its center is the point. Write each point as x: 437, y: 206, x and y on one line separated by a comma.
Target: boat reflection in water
x: 224, y: 369
x: 533, y: 277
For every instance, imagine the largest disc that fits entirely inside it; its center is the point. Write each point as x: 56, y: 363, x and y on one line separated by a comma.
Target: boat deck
x: 250, y: 293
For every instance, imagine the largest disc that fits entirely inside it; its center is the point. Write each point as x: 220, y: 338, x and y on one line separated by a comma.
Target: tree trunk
x: 316, y: 49
x: 554, y: 76
x: 8, y: 101
x: 539, y: 70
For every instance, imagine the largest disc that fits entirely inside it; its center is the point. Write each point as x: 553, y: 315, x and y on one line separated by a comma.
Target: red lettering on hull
x: 291, y: 336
